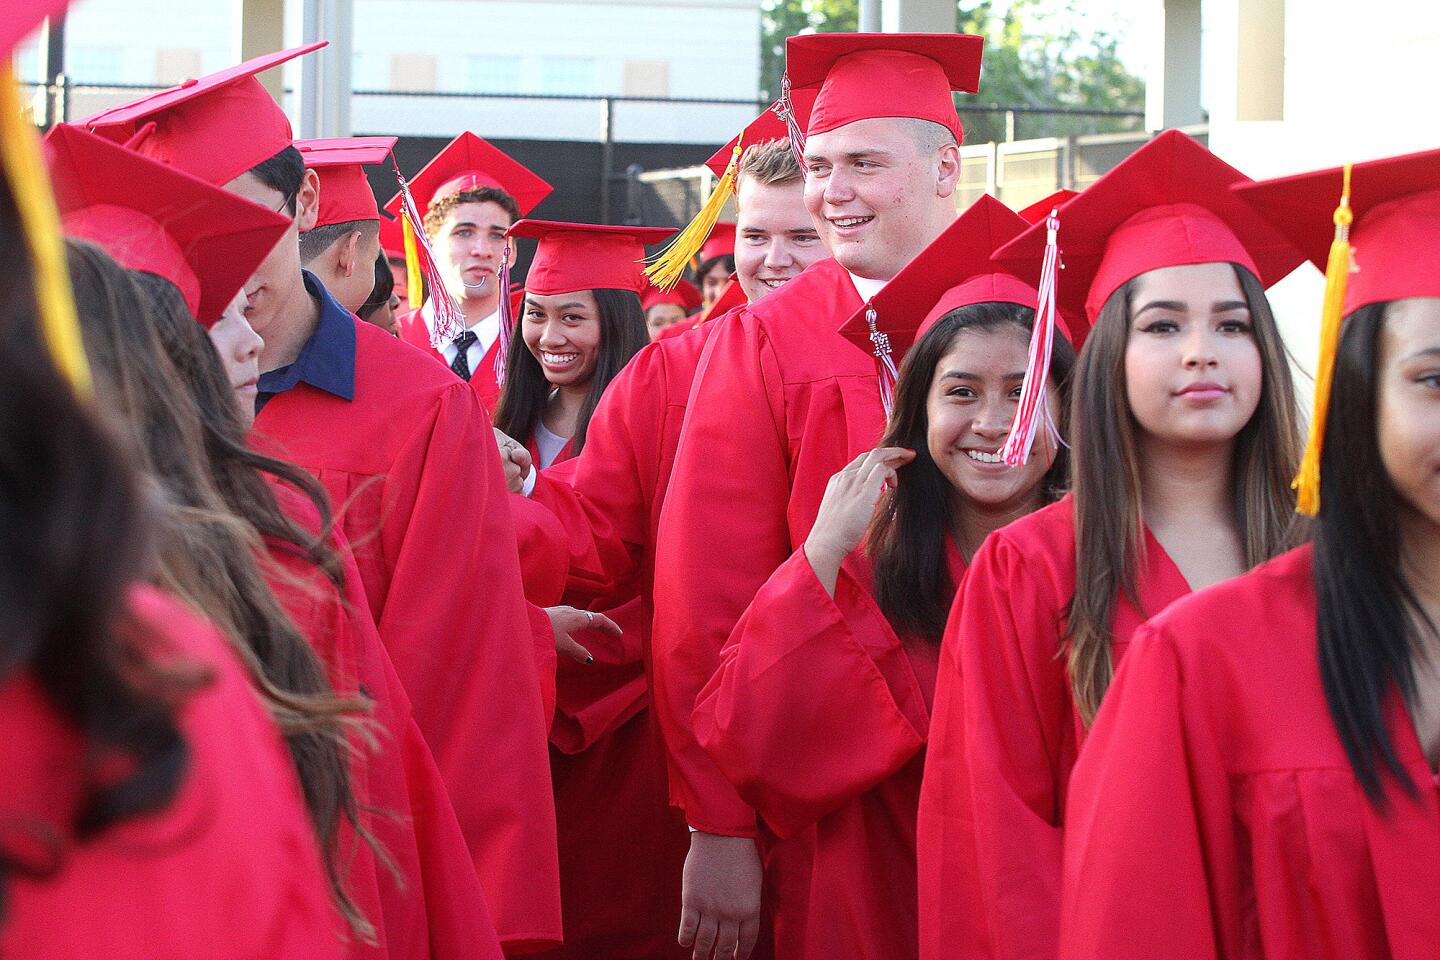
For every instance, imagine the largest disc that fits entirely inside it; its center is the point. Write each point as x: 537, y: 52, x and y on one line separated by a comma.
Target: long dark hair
x: 1366, y: 611
x: 208, y: 555
x: 522, y: 401
x: 906, y: 540
x: 74, y: 536
x: 1109, y: 530
x: 236, y: 468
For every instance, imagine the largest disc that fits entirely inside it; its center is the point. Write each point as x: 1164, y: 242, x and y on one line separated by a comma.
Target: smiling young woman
x: 1262, y: 777
x: 580, y: 323
x: 1184, y: 439
x: 819, y: 710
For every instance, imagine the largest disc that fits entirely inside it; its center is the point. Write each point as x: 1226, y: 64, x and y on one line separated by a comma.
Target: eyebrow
x: 965, y: 375
x: 1181, y: 307
x: 471, y: 223
x: 1427, y: 352
x: 853, y: 155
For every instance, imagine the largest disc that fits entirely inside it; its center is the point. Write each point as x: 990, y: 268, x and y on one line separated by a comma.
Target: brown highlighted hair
x: 207, y: 555
x: 768, y: 163
x: 1109, y: 528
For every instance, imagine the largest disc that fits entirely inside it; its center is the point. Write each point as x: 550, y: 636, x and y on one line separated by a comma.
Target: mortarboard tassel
x: 414, y: 277
x: 1033, y: 409
x: 667, y: 266
x: 1337, y: 278
x: 35, y: 204
x: 885, y: 370
x: 507, y: 318
x: 785, y: 110
x: 449, y: 321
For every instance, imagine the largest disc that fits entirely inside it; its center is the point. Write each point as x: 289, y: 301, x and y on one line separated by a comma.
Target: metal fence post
x: 1012, y: 126
x: 607, y: 154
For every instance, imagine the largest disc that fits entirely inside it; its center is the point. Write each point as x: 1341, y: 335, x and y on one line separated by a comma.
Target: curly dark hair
x: 442, y: 207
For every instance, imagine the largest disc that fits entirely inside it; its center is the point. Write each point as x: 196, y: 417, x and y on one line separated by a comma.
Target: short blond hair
x: 768, y: 163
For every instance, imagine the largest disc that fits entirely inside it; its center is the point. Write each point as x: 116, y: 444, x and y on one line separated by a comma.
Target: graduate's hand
x: 847, y: 509
x: 720, y: 898
x: 515, y: 459
x: 567, y: 621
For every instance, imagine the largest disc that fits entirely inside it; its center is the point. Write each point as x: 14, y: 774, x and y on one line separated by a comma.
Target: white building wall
x: 1359, y: 85
x: 665, y: 48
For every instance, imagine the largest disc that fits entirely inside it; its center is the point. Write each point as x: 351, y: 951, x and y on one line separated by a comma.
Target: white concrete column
x: 1260, y: 61
x: 325, y: 74
x: 261, y: 31
x: 1172, y: 90
x: 918, y: 16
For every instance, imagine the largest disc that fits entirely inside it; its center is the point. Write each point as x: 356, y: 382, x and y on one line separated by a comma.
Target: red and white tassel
x: 785, y: 110
x: 1033, y: 410
x: 449, y: 319
x: 507, y: 317
x: 885, y: 370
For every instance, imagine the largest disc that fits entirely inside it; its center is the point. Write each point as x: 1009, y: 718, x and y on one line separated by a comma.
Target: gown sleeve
x: 814, y: 701
x: 464, y: 646
x: 989, y: 849
x: 1148, y: 782
x: 723, y: 532
x: 605, y: 497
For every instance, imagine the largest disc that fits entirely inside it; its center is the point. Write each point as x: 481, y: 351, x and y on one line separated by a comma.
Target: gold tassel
x: 1337, y: 278
x: 40, y: 222
x: 414, y: 277
x: 668, y: 266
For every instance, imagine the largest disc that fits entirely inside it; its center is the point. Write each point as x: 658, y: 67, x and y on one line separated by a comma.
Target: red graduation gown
x: 229, y: 870
x: 412, y: 465
x: 437, y: 908
x: 1213, y: 812
x: 622, y: 849
x: 482, y: 378
x: 818, y: 714
x: 1004, y: 738
x: 781, y: 402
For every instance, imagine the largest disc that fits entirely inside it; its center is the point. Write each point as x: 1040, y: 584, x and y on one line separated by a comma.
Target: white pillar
x: 918, y: 16
x: 325, y: 74
x: 1172, y: 90
x: 261, y: 31
x: 869, y: 19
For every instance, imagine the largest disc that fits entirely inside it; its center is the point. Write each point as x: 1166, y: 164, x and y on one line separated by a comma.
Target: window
x: 567, y: 75
x: 485, y: 74
x: 95, y: 65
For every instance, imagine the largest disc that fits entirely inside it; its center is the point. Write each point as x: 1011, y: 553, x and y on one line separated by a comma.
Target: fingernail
x: 589, y: 659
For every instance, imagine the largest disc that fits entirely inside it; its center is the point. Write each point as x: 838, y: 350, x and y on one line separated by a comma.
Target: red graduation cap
x: 149, y: 217
x: 683, y: 295
x: 23, y: 16
x: 586, y: 256
x: 1168, y: 204
x: 720, y: 243
x: 1395, y: 233
x: 214, y: 128
x: 955, y: 270
x: 468, y: 163
x: 339, y: 162
x: 866, y: 75
x: 764, y: 128
x: 1040, y: 209
x: 1373, y: 228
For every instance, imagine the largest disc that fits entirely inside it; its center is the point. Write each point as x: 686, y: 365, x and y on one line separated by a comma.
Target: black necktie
x: 461, y: 363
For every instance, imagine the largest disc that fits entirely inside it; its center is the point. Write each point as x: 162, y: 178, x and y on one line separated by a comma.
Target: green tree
x: 1035, y: 56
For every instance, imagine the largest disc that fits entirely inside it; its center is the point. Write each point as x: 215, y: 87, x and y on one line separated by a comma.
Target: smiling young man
x: 406, y: 452
x: 784, y: 402
x: 471, y: 194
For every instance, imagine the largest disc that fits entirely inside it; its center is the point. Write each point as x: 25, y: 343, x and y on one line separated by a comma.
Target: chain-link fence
x: 1018, y: 173
x: 639, y: 140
